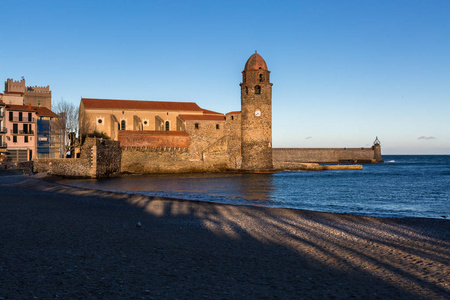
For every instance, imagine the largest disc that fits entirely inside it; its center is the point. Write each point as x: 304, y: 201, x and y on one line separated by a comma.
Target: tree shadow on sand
x: 62, y: 242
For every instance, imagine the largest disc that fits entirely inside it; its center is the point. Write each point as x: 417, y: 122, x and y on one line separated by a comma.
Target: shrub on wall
x: 94, y: 134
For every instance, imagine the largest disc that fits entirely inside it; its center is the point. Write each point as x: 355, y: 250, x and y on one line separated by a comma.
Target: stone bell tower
x: 256, y: 115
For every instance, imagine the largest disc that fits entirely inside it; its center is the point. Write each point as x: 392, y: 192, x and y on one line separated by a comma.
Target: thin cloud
x: 426, y: 137
x: 309, y: 137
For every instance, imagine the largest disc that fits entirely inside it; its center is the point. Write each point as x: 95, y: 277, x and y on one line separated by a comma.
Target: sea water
x: 402, y: 186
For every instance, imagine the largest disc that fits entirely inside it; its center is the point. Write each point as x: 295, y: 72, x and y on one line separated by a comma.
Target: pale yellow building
x: 111, y: 116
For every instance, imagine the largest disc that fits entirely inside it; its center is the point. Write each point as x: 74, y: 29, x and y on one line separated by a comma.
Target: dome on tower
x: 255, y: 62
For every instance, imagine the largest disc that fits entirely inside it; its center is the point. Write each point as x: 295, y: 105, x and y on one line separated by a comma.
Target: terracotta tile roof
x: 41, y: 111
x: 255, y: 62
x: 233, y: 112
x: 210, y: 112
x: 19, y: 107
x: 154, y: 132
x: 44, y: 112
x: 202, y: 117
x: 137, y: 104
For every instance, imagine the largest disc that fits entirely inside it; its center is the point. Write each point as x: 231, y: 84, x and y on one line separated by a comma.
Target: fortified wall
x: 99, y: 158
x: 327, y: 155
x: 153, y: 139
x: 29, y: 95
x: 208, y: 145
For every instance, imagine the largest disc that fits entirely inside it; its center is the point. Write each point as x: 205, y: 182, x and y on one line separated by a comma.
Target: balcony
x: 29, y: 132
x: 3, y: 130
x: 23, y: 119
x: 3, y: 145
x: 22, y: 132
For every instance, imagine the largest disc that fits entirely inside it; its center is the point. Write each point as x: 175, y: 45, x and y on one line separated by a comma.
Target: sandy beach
x: 62, y: 242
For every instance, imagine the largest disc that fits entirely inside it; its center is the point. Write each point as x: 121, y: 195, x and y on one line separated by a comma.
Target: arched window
x: 246, y: 90
x: 167, y: 126
x: 261, y: 77
x: 257, y: 89
x: 123, y: 125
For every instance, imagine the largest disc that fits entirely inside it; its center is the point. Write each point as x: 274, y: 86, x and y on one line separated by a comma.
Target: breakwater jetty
x: 327, y: 155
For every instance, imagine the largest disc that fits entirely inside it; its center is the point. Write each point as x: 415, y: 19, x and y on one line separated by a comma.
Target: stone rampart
x: 154, y: 139
x: 204, y: 134
x: 201, y: 148
x: 13, y: 86
x: 99, y: 158
x: 327, y: 155
x: 169, y: 160
x: 68, y: 167
x: 166, y: 160
x: 233, y: 132
x: 106, y: 157
x: 38, y: 89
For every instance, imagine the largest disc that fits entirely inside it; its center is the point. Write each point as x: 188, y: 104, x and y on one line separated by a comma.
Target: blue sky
x: 343, y: 71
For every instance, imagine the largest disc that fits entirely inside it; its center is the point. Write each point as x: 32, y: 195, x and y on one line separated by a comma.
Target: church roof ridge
x: 185, y: 117
x: 139, y: 104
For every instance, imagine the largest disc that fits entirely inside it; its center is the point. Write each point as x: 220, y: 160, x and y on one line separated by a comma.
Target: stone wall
x: 327, y: 155
x: 68, y: 167
x: 26, y: 167
x: 34, y: 95
x: 38, y: 98
x: 99, y: 158
x: 154, y: 139
x: 168, y: 160
x: 105, y: 157
x: 203, y: 147
x: 204, y: 134
x: 233, y: 133
x: 215, y: 156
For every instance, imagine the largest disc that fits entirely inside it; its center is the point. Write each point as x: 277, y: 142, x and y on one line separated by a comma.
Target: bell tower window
x: 246, y: 90
x: 261, y: 78
x: 257, y: 90
x: 123, y: 125
x: 167, y: 124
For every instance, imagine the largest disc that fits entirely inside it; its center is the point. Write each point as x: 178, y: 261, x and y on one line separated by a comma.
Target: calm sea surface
x: 403, y: 186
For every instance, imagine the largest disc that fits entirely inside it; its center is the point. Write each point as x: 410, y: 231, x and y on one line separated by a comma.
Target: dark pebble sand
x: 67, y: 243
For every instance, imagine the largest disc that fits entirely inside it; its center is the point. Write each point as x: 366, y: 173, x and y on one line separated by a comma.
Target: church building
x: 181, y: 136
